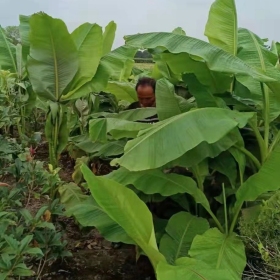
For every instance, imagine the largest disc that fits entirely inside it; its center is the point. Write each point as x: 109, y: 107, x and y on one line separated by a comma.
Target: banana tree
x: 63, y: 67
x: 234, y: 81
x: 11, y: 59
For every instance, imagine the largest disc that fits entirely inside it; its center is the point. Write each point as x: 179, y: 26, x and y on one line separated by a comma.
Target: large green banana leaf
x: 162, y: 70
x: 123, y: 206
x: 183, y: 63
x: 117, y: 60
x: 225, y: 164
x: 122, y: 90
x: 53, y: 60
x: 190, y: 269
x: 118, y: 128
x: 180, y: 232
x: 155, y: 181
x: 203, y: 95
x: 220, y: 251
x: 221, y: 27
x: 111, y: 66
x: 24, y: 29
x: 71, y: 195
x: 179, y: 31
x: 7, y: 53
x: 109, y: 37
x: 168, y: 103
x: 266, y: 180
x: 88, y: 39
x: 169, y: 140
x: 108, y: 149
x: 134, y: 114
x: 254, y: 53
x: 89, y: 214
x: 216, y: 59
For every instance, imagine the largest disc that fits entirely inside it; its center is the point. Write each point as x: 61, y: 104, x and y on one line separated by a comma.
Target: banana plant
x: 63, y: 67
x: 11, y: 59
x: 233, y: 72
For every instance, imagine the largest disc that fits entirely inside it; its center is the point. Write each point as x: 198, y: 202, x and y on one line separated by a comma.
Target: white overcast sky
x: 261, y: 17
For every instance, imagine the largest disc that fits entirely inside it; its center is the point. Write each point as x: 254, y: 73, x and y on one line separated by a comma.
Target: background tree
x: 12, y: 33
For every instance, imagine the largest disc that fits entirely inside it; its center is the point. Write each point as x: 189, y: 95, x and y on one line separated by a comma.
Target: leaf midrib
x: 183, y: 236
x: 56, y: 82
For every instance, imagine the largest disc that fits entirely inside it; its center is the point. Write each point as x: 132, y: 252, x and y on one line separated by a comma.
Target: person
x: 146, y: 94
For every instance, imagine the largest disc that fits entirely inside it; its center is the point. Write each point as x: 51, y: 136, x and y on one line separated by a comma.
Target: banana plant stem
x: 249, y: 155
x: 225, y: 208
x: 265, y: 94
x: 260, y: 141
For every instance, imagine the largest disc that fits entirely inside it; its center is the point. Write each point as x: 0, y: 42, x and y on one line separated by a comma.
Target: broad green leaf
x: 88, y: 39
x: 111, y: 66
x: 77, y: 175
x: 24, y: 29
x: 71, y: 195
x: 32, y: 99
x: 117, y: 128
x: 111, y: 148
x: 180, y: 232
x: 22, y: 270
x: 25, y: 242
x: 179, y: 31
x: 7, y: 53
x: 221, y: 28
x: 109, y: 37
x: 168, y: 103
x: 162, y: 70
x: 220, y: 251
x: 34, y: 251
x: 134, y: 115
x: 18, y: 271
x: 216, y: 59
x: 63, y: 133
x: 4, y: 275
x: 190, y: 269
x: 225, y: 164
x: 123, y: 206
x: 53, y: 60
x: 13, y: 243
x: 253, y: 52
x: 96, y: 85
x: 157, y: 146
x: 205, y: 150
x: 154, y: 181
x: 122, y: 90
x: 183, y: 63
x: 266, y: 180
x: 240, y: 159
x: 203, y: 95
x: 116, y: 61
x: 90, y: 214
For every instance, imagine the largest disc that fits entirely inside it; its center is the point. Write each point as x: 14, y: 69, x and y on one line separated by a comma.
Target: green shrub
x: 260, y: 227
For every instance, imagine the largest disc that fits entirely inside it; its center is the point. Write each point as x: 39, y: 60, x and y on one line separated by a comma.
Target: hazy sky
x: 261, y: 17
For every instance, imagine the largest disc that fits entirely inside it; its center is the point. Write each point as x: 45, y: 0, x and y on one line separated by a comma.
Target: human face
x: 146, y: 96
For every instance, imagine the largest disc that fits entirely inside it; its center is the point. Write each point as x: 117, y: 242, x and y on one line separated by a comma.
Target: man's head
x: 146, y: 88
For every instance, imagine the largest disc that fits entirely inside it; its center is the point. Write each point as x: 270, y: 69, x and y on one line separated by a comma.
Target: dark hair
x: 145, y: 81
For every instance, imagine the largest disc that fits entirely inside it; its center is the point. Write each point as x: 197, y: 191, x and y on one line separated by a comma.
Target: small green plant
x: 26, y: 239
x: 260, y: 228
